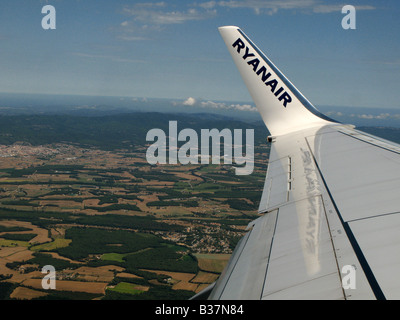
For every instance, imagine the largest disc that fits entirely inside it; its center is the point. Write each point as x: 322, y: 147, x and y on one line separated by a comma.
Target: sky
x: 172, y: 49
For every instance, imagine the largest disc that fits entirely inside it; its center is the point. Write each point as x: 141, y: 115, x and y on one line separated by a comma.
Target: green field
x: 118, y: 257
x: 49, y: 246
x: 127, y: 288
x: 13, y: 243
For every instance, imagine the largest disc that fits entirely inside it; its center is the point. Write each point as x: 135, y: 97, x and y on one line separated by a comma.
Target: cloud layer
x: 142, y: 18
x: 192, y: 102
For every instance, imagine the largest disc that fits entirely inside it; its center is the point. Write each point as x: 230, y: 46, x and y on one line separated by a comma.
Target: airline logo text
x: 280, y: 93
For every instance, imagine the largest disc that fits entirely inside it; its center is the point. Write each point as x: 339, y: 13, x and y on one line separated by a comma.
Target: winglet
x: 282, y: 107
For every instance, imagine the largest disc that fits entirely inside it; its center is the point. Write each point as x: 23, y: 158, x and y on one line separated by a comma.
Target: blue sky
x: 172, y: 49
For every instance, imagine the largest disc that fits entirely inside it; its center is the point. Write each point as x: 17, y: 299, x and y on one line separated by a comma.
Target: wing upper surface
x: 331, y: 200
x: 326, y: 216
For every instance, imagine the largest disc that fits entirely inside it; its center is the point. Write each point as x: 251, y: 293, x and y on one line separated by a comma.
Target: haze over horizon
x: 18, y: 104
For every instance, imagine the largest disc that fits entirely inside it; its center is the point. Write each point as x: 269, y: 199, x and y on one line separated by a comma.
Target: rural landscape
x: 77, y: 193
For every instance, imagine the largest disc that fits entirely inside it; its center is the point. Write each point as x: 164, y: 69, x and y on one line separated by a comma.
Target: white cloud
x: 274, y: 6
x: 151, y: 4
x: 217, y: 105
x: 244, y: 107
x: 189, y: 101
x: 160, y: 14
x: 334, y: 114
x: 144, y: 18
x: 208, y: 4
x: 269, y: 7
x: 165, y: 18
x: 328, y: 8
x: 381, y: 116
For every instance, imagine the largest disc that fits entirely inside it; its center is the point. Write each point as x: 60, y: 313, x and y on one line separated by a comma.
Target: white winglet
x: 283, y: 108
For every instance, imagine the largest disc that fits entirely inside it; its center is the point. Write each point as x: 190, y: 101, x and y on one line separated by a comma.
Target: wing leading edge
x: 330, y: 201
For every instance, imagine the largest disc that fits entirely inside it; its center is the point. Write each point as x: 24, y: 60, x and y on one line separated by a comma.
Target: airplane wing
x: 330, y: 223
